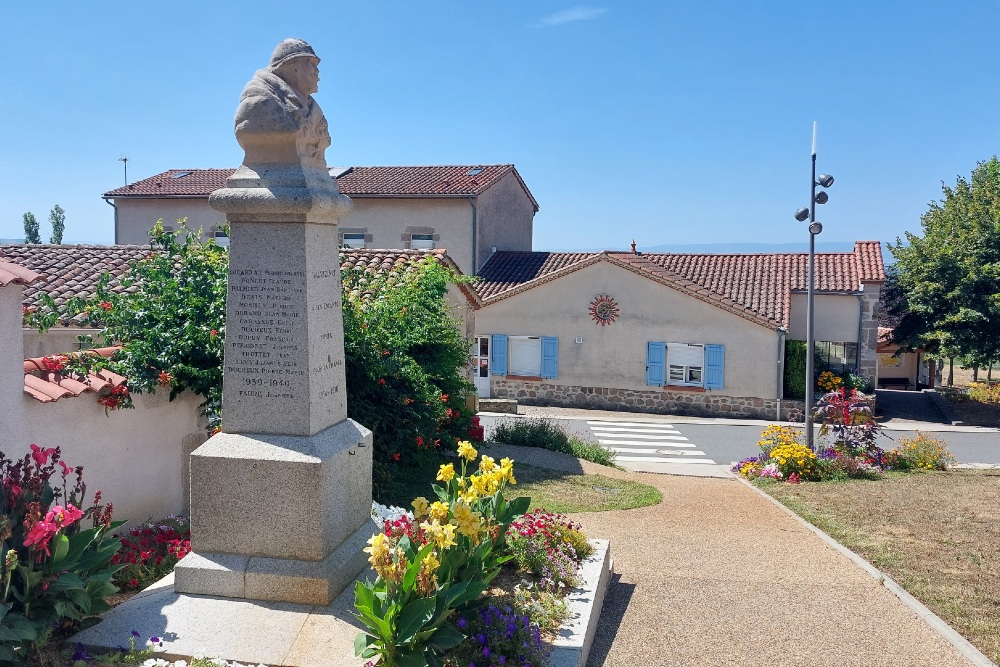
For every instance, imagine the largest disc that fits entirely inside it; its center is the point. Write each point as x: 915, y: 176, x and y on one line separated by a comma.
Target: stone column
x: 281, y: 499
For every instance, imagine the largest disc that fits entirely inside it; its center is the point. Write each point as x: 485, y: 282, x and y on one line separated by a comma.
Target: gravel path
x: 716, y: 575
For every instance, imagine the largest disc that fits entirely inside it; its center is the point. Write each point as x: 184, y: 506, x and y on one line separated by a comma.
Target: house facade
x: 470, y: 211
x: 684, y: 334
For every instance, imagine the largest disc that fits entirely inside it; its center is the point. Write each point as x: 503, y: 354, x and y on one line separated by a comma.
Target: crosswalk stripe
x: 651, y: 445
x: 632, y: 436
x: 636, y: 431
x: 664, y: 459
x: 606, y: 423
x: 628, y: 450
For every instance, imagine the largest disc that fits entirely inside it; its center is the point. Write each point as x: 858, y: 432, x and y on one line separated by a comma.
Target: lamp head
x: 815, y: 228
x: 822, y: 197
x: 824, y: 180
x: 802, y: 214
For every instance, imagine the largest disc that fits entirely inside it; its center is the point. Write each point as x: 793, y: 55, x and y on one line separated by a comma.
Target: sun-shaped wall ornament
x: 604, y: 309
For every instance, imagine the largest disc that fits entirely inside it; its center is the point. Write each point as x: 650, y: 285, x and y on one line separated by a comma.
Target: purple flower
x: 481, y: 638
x: 461, y: 623
x: 135, y: 633
x: 486, y: 651
x: 80, y: 654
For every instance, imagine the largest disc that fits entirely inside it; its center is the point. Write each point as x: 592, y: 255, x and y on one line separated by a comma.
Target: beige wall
x: 137, y: 216
x: 907, y: 367
x: 11, y: 371
x: 504, y: 219
x: 615, y: 355
x: 836, y: 318
x: 136, y: 458
x: 387, y: 220
x: 56, y: 340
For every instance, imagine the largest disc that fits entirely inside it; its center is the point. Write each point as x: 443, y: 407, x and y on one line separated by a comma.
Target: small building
x: 904, y: 369
x: 672, y: 333
x: 472, y: 211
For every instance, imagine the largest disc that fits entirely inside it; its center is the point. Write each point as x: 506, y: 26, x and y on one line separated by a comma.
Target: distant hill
x: 729, y: 248
x: 10, y: 241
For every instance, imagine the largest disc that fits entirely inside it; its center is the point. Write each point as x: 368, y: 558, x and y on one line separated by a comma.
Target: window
x: 526, y: 356
x: 685, y: 365
x: 838, y: 358
x: 221, y: 239
x: 354, y: 240
x: 422, y: 241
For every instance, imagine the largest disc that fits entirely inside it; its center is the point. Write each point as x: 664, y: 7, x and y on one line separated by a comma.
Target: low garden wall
x: 659, y: 401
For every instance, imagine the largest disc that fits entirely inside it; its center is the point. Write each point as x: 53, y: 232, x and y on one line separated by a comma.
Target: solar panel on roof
x: 475, y: 171
x: 181, y: 174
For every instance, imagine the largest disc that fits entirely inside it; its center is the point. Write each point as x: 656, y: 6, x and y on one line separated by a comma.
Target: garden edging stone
x: 974, y: 655
x: 571, y: 647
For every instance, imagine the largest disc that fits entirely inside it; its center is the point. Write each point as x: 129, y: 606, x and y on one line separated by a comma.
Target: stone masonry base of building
x: 658, y: 401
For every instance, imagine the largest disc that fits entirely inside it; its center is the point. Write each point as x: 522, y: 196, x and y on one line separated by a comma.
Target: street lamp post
x: 825, y: 181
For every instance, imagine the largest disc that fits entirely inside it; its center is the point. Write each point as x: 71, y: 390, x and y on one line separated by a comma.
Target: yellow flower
x: 487, y: 464
x: 419, y: 507
x: 376, y: 547
x: 443, y: 535
x: 468, y: 496
x: 439, y: 511
x: 467, y: 451
x: 446, y: 472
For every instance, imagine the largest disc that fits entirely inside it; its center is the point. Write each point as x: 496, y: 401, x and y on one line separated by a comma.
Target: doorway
x: 481, y: 365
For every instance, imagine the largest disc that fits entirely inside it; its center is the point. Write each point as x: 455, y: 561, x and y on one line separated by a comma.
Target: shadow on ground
x: 616, y: 601
x: 894, y: 404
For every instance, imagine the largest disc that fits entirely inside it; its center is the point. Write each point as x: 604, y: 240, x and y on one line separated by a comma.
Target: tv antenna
x: 124, y: 161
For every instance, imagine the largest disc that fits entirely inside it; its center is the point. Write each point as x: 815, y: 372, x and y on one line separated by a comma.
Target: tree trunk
x: 989, y: 373
x: 975, y: 373
x: 951, y: 371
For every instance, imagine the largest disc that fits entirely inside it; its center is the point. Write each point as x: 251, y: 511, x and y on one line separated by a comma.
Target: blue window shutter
x: 498, y: 353
x: 550, y: 357
x: 656, y: 358
x: 715, y: 360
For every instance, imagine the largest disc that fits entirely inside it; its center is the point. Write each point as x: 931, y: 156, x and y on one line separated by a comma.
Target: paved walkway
x: 717, y: 575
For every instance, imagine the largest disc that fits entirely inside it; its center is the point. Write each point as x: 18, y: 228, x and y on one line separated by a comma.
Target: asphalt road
x: 695, y: 442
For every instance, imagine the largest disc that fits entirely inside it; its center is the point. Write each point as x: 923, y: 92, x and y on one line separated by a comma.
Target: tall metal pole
x: 810, y: 344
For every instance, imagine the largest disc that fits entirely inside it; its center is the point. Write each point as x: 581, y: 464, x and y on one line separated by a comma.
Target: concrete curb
x: 974, y: 655
x: 571, y: 647
x: 942, y: 404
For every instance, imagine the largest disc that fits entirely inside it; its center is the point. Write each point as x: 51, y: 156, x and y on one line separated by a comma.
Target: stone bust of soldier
x: 278, y: 121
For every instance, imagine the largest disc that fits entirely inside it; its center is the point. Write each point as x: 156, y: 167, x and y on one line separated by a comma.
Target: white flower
x: 381, y: 513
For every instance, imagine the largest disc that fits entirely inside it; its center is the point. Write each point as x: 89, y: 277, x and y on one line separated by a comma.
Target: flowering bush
x: 776, y: 436
x: 549, y: 546
x: 829, y: 382
x: 794, y: 458
x: 984, y: 393
x: 749, y: 467
x: 151, y: 551
x: 500, y: 636
x: 434, y: 562
x: 55, y: 572
x: 832, y: 463
x: 847, y: 417
x: 921, y: 452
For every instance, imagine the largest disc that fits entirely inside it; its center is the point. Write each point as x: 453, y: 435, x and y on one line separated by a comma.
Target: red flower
x: 407, y: 401
x: 54, y: 363
x: 66, y: 469
x: 213, y: 333
x: 40, y: 455
x: 164, y: 378
x: 420, y: 441
x: 386, y: 353
x: 105, y: 306
x: 381, y: 380
x: 395, y: 457
x: 444, y: 398
x: 133, y: 583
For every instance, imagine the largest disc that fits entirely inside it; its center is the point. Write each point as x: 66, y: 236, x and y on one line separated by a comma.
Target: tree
x: 31, y: 228
x: 57, y: 218
x: 948, y: 280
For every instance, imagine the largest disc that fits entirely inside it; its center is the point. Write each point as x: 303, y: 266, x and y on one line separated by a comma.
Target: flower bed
x: 432, y: 602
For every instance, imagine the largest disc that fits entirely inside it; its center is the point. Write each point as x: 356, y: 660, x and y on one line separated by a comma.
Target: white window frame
x: 688, y: 371
x: 527, y: 348
x: 354, y: 240
x: 422, y: 241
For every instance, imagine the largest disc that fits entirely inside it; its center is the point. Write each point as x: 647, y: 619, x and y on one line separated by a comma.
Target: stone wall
x: 867, y: 355
x: 665, y: 401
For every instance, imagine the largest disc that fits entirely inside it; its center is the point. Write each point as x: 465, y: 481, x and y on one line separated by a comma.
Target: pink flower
x: 41, y: 534
x: 63, y: 516
x: 66, y: 469
x: 40, y: 455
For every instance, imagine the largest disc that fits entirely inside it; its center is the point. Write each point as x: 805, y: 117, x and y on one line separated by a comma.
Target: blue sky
x: 667, y: 122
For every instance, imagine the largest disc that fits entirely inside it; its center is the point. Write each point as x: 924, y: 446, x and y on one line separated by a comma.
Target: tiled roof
x: 17, y: 274
x: 74, y: 270
x: 756, y: 286
x: 48, y: 386
x: 71, y: 270
x: 428, y: 181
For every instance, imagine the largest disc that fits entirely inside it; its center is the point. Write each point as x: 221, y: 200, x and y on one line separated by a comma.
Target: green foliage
x: 948, y: 279
x: 405, y: 361
x: 435, y: 564
x: 546, y: 434
x: 57, y: 218
x: 920, y: 452
x: 795, y: 370
x: 31, y: 228
x: 56, y: 573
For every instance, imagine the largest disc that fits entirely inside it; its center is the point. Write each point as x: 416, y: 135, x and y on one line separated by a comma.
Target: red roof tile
x: 48, y: 386
x: 71, y: 270
x: 756, y: 286
x: 14, y: 273
x: 428, y: 181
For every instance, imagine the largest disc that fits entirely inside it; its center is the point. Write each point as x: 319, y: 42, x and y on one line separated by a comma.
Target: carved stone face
x: 301, y: 73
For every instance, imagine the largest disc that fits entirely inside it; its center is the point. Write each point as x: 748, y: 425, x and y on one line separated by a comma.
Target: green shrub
x: 545, y: 434
x: 56, y: 573
x: 795, y: 370
x: 920, y: 452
